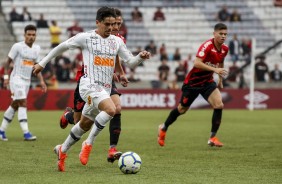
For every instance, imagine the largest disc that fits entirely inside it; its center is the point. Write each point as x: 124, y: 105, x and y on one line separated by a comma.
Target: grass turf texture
x: 252, y: 152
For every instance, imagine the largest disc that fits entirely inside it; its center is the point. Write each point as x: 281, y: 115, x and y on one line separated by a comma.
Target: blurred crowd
x: 63, y: 69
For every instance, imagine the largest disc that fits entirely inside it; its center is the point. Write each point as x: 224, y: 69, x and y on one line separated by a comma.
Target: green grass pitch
x: 252, y: 153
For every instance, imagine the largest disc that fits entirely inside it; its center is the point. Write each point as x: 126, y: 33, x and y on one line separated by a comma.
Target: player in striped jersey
x: 23, y: 55
x: 209, y: 60
x: 72, y: 116
x: 99, y: 49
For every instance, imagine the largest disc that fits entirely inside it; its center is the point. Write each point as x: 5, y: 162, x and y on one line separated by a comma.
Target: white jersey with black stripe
x: 24, y: 57
x: 99, y: 56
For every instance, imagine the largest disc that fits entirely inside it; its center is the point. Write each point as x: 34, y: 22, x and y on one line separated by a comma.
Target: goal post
x: 252, y: 75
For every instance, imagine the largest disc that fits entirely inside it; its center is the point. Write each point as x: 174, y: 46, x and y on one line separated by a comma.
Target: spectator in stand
x: 151, y: 47
x: 55, y: 32
x: 123, y: 30
x: 163, y: 53
x: 41, y: 22
x: 176, y: 55
x: 74, y: 29
x: 163, y: 72
x: 235, y: 16
x: 136, y: 15
x: 159, y: 15
x: 188, y: 61
x: 14, y: 16
x: 232, y: 69
x: 180, y: 72
x: 276, y: 74
x: 62, y: 65
x: 25, y: 16
x: 277, y: 3
x: 261, y: 69
x: 246, y: 46
x: 242, y: 82
x: 234, y: 48
x: 223, y: 14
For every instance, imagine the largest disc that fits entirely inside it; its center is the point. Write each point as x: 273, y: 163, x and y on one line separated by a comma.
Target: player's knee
x: 111, y: 111
x: 182, y: 110
x: 118, y: 108
x: 218, y: 105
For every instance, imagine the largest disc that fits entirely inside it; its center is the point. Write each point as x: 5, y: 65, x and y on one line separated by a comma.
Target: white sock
x: 7, y: 119
x: 22, y: 117
x: 100, y: 122
x: 74, y: 136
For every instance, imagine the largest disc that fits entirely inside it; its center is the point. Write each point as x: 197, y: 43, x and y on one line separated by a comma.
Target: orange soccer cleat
x: 214, y: 142
x: 63, y: 121
x: 61, y: 157
x: 113, y: 154
x: 161, y: 136
x: 84, y: 153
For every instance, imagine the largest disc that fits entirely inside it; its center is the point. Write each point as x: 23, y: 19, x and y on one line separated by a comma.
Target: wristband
x: 6, y: 77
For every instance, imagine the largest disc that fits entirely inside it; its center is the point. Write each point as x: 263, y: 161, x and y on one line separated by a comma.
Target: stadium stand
x: 188, y: 23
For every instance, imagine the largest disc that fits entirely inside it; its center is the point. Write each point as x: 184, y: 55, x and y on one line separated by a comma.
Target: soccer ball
x: 129, y: 163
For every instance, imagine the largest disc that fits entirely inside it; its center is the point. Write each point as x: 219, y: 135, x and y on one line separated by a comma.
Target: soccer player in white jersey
x: 23, y: 55
x: 99, y: 49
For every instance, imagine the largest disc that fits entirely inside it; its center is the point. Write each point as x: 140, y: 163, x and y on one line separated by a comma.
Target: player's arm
x: 198, y: 63
x: 42, y: 83
x: 220, y: 84
x: 6, y: 72
x: 73, y: 42
x: 52, y: 54
x: 118, y: 67
x: 130, y: 60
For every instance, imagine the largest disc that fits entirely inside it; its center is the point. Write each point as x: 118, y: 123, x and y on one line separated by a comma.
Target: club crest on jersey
x: 112, y: 44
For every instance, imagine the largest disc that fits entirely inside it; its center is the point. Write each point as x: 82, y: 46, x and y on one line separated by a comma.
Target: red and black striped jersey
x: 211, y: 56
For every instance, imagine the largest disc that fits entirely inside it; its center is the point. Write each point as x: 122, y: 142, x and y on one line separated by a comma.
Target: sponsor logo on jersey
x: 100, y: 61
x: 28, y: 62
x: 212, y: 65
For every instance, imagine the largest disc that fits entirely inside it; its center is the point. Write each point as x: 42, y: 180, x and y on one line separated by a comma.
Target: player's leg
x: 105, y: 112
x: 7, y: 119
x: 187, y: 98
x: 115, y: 126
x: 72, y: 116
x: 75, y: 134
x: 22, y: 118
x: 213, y: 96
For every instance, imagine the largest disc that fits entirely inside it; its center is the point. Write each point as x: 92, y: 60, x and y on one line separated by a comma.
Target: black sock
x: 171, y: 118
x: 115, y: 128
x: 69, y: 117
x: 216, y: 120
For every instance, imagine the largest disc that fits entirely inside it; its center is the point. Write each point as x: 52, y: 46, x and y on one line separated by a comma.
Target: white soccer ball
x: 129, y: 163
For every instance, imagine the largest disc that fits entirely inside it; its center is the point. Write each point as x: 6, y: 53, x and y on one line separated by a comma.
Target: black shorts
x: 114, y: 90
x: 189, y: 94
x: 78, y: 103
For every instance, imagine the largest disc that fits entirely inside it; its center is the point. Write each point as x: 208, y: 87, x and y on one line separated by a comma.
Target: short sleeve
x: 14, y: 51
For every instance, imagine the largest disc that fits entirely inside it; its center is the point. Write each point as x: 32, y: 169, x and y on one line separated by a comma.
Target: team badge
x: 201, y: 54
x: 112, y: 44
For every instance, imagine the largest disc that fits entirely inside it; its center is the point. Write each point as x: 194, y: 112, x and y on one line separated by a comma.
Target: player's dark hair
x: 219, y: 26
x: 118, y: 12
x: 30, y: 27
x: 105, y: 12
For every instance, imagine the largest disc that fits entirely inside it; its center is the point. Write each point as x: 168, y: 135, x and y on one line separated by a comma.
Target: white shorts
x: 19, y: 87
x: 92, y: 94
